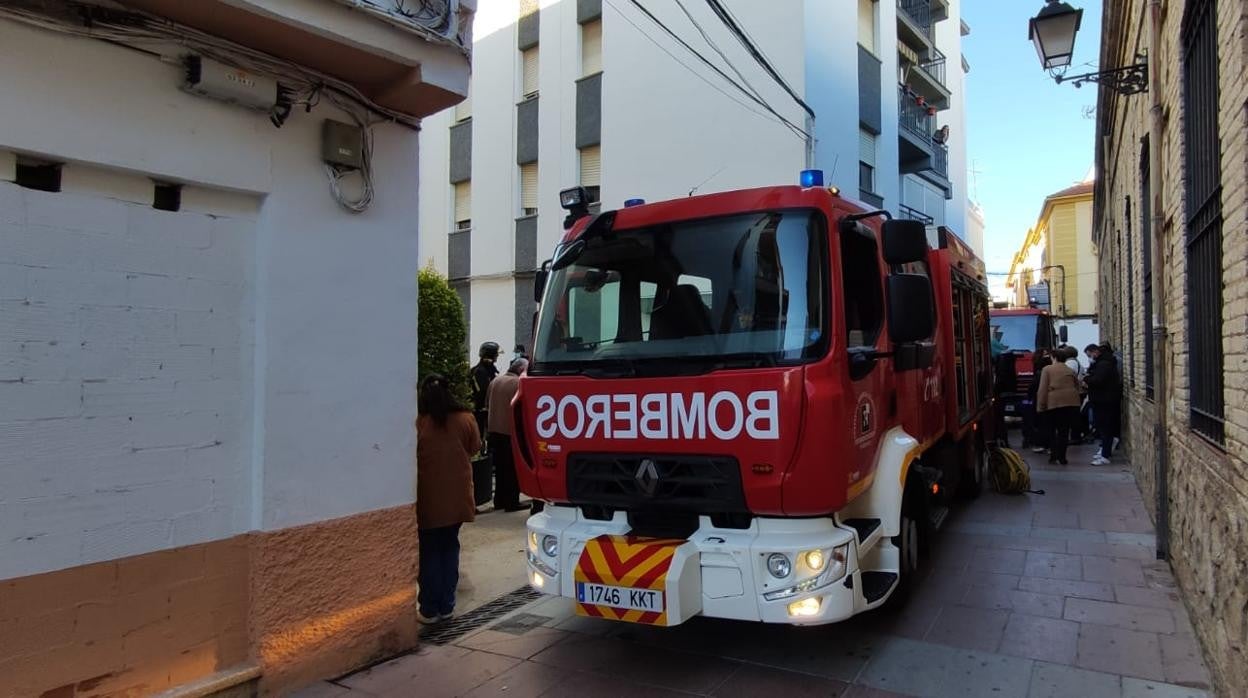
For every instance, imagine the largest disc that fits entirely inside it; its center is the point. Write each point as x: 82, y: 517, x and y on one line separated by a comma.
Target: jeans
x: 1105, y: 414
x: 506, y: 485
x: 1060, y: 420
x: 439, y: 570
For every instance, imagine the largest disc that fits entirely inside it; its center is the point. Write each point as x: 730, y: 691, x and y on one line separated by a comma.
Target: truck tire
x: 972, y: 482
x: 909, y: 542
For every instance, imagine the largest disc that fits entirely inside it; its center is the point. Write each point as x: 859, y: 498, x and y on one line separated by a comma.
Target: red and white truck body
x: 753, y: 405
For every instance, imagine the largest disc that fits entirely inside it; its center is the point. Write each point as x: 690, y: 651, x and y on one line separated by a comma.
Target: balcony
x: 918, y: 151
x: 914, y: 22
x: 908, y: 213
x: 927, y: 78
x: 411, y: 65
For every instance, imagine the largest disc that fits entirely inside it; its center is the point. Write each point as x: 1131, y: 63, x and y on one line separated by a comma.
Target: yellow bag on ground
x: 1009, y: 472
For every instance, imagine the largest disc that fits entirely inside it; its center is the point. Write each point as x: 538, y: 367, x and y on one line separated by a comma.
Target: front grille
x: 701, y: 484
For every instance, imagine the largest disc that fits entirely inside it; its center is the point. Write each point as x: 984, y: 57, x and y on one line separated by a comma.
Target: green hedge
x: 442, y: 338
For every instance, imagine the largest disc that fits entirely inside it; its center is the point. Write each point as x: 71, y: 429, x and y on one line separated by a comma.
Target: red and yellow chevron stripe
x: 626, y: 561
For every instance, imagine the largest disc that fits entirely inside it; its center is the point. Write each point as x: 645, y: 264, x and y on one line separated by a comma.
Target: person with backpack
x: 1057, y: 399
x: 1104, y: 383
x: 446, y: 440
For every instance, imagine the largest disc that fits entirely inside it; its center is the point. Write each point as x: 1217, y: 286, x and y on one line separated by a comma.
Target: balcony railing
x: 914, y: 116
x: 919, y: 13
x: 940, y: 159
x: 934, y: 66
x: 908, y: 213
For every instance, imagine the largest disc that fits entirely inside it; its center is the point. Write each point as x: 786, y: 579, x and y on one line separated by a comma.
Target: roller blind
x: 866, y: 147
x: 591, y: 166
x: 463, y: 202
x: 591, y: 47
x: 529, y: 86
x: 528, y: 186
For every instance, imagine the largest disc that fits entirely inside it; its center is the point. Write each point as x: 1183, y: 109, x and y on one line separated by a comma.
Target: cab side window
x: 861, y: 288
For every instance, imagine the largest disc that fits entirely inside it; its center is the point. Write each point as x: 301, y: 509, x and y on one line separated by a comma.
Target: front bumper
x: 717, y: 572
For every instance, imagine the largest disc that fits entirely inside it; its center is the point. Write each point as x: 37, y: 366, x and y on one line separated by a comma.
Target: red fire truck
x: 755, y: 405
x: 1020, y: 332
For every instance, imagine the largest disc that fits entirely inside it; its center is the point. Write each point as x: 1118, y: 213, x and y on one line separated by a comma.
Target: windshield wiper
x: 753, y: 360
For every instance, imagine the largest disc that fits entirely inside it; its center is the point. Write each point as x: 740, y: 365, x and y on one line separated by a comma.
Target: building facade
x: 208, y: 363
x: 1182, y: 181
x: 599, y: 93
x: 1056, y: 267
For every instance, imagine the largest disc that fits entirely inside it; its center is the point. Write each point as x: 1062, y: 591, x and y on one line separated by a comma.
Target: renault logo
x: 647, y: 477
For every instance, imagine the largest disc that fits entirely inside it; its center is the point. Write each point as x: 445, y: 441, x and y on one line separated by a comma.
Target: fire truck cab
x: 755, y: 405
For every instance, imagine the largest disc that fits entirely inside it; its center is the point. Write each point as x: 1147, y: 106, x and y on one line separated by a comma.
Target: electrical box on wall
x: 208, y: 78
x: 342, y: 144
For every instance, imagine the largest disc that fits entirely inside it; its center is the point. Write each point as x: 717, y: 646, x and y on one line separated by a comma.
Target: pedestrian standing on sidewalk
x: 1057, y: 399
x: 502, y: 390
x: 1105, y: 393
x: 482, y: 375
x: 1037, y: 432
x: 446, y: 440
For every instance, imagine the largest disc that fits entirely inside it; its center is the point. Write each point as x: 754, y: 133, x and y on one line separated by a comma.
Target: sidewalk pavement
x: 1054, y: 595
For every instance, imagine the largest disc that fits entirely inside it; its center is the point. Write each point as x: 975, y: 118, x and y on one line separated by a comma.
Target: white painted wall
x: 173, y: 378
x: 949, y: 41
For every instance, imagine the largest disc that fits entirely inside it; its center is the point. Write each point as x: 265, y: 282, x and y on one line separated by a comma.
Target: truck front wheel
x: 909, y: 542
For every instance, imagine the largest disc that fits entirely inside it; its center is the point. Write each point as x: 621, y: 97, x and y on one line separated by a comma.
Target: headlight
x: 550, y: 546
x: 779, y: 565
x: 814, y: 560
x: 533, y: 541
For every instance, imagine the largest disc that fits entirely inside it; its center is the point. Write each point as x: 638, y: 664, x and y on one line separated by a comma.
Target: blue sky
x: 1028, y: 137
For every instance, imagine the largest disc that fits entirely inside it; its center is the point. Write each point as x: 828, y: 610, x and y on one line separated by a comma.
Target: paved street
x: 1055, y: 595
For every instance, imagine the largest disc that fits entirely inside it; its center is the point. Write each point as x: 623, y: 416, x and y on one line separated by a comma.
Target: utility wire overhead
x: 715, y: 47
x: 705, y: 61
x: 735, y: 27
x: 751, y: 109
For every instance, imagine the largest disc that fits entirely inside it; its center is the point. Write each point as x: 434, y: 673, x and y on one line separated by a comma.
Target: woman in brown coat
x: 1058, y: 400
x: 446, y: 439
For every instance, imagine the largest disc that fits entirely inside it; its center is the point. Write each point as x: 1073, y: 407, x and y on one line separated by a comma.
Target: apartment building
x: 208, y: 339
x: 602, y: 93
x: 1181, y: 182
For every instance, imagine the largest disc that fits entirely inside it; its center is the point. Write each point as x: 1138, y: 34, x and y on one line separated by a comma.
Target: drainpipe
x: 810, y: 143
x: 1161, y: 435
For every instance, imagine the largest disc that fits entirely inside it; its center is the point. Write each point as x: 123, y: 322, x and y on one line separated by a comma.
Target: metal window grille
x: 1130, y: 338
x: 1146, y: 275
x: 1203, y: 164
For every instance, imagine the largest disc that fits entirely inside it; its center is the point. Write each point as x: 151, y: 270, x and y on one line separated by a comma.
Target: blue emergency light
x: 633, y: 202
x: 812, y: 178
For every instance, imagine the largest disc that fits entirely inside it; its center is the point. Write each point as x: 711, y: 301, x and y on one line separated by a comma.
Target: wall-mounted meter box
x: 342, y: 144
x: 208, y: 78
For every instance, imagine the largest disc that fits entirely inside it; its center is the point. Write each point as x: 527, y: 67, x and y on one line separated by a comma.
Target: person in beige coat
x: 446, y: 439
x: 1058, y: 400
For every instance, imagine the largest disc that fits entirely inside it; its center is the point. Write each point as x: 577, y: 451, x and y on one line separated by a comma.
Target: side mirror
x: 1063, y: 334
x: 904, y: 241
x: 911, y: 308
x: 539, y: 281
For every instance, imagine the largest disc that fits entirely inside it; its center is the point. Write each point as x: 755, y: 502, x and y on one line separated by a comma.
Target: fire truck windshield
x: 747, y: 289
x: 1018, y: 332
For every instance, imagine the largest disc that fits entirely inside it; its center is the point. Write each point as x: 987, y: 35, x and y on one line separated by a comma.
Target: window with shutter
x: 528, y: 189
x: 529, y: 82
x: 591, y: 48
x: 591, y: 171
x: 463, y: 205
x: 866, y: 161
x: 866, y: 24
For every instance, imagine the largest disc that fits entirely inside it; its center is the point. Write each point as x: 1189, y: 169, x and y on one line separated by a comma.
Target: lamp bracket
x: 1127, y: 80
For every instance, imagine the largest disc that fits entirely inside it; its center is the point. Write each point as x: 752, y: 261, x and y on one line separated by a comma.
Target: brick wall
x: 122, y: 421
x: 1207, y: 484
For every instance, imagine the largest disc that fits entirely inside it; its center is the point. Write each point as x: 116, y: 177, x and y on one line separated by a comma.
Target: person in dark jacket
x: 1004, y: 385
x: 502, y: 391
x: 1104, y: 383
x: 1036, y: 432
x: 482, y: 375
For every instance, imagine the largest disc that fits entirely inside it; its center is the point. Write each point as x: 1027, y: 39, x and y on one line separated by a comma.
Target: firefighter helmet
x: 489, y: 350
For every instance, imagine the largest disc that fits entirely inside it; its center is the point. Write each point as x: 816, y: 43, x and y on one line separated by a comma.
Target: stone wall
x: 1207, y: 483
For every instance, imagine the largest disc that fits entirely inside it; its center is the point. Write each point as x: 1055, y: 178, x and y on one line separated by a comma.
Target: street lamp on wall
x: 1053, y: 32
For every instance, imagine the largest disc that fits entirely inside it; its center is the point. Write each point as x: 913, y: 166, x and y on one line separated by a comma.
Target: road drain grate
x: 448, y: 631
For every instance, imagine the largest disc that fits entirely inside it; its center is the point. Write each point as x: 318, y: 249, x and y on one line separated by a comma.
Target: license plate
x: 619, y: 597
x: 1009, y: 408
